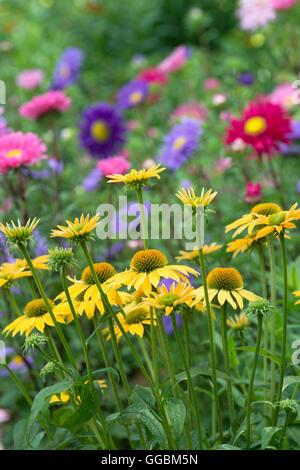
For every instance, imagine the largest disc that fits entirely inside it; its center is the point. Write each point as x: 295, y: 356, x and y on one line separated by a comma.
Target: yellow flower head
x: 249, y: 242
x: 9, y: 272
x: 227, y: 285
x: 35, y: 316
x: 296, y: 293
x: 275, y: 223
x: 168, y: 299
x: 136, y: 179
x: 147, y: 267
x: 187, y: 196
x: 247, y: 221
x: 191, y: 255
x: 238, y: 322
x: 79, y: 230
x: 19, y: 233
x: 85, y: 294
x: 133, y: 321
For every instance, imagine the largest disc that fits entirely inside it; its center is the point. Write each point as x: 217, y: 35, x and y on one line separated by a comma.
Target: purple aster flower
x: 168, y: 323
x: 293, y: 148
x: 67, y: 68
x: 129, y: 217
x: 132, y: 94
x: 16, y: 362
x: 110, y: 253
x: 180, y: 143
x: 5, y: 256
x: 57, y: 166
x: 246, y: 79
x: 91, y: 182
x: 41, y: 246
x: 102, y: 131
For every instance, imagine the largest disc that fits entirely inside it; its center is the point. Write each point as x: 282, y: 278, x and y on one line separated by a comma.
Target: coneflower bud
x: 34, y: 340
x: 60, y: 257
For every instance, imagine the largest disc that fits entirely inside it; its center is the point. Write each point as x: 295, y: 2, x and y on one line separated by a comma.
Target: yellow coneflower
x: 227, y: 285
x: 247, y: 221
x: 147, y: 267
x: 137, y: 178
x: 19, y: 233
x: 9, y: 272
x: 78, y: 230
x: 191, y: 255
x: 35, y: 316
x: 187, y: 196
x: 85, y: 295
x: 133, y: 322
x: 64, y: 397
x: 240, y: 245
x: 168, y: 299
x: 296, y: 293
x: 238, y: 322
x: 275, y: 223
x: 41, y: 262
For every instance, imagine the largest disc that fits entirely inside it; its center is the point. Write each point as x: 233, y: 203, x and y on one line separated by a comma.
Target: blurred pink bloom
x: 223, y: 164
x: 211, y: 83
x: 175, y: 60
x: 18, y: 149
x: 4, y: 416
x: 283, y: 94
x: 149, y: 163
x: 42, y: 104
x: 238, y: 145
x: 253, y: 193
x: 255, y: 13
x: 283, y: 4
x: 132, y: 124
x: 30, y: 79
x: 6, y: 206
x: 226, y: 116
x: 135, y: 244
x: 152, y: 132
x: 192, y: 110
x: 219, y: 98
x: 113, y: 165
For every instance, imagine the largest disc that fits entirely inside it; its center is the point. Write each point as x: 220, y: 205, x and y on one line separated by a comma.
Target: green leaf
x: 267, y: 434
x: 84, y: 413
x: 177, y: 414
x: 290, y: 380
x: 41, y: 402
x: 19, y: 435
x: 135, y: 414
x: 142, y: 396
x: 194, y: 371
x: 226, y: 447
x: 262, y: 352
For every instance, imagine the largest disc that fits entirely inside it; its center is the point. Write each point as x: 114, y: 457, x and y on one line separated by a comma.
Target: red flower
x: 153, y: 76
x: 253, y: 193
x: 263, y: 126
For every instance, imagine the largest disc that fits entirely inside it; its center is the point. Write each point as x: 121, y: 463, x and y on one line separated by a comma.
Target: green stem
x: 49, y: 308
x: 273, y: 313
x: 286, y: 422
x: 111, y: 314
x: 284, y: 327
x: 266, y: 332
x: 19, y: 384
x: 146, y: 356
x: 154, y: 350
x: 227, y: 362
x: 86, y: 355
x: 13, y: 303
x: 189, y: 379
x: 250, y: 390
x: 212, y: 345
x: 186, y: 339
x: 142, y: 216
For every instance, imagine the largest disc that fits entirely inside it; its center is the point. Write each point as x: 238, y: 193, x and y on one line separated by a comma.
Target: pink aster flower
x: 283, y: 95
x: 113, y: 165
x: 211, y: 83
x: 42, y: 104
x: 17, y: 149
x: 153, y: 76
x: 175, y: 60
x: 30, y: 79
x: 223, y: 164
x: 253, y: 193
x: 192, y: 110
x: 255, y: 13
x: 283, y: 4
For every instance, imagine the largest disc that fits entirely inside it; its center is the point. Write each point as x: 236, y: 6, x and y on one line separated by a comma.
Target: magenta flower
x: 253, y: 193
x: 43, y: 104
x: 113, y: 165
x: 283, y: 4
x: 175, y: 60
x: 18, y: 149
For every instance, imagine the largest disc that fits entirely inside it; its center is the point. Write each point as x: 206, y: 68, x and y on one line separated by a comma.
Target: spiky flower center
x: 137, y: 315
x: 224, y: 278
x: 169, y: 299
x: 255, y: 125
x: 103, y: 271
x: 37, y: 308
x: 100, y: 131
x: 266, y: 209
x: 146, y: 261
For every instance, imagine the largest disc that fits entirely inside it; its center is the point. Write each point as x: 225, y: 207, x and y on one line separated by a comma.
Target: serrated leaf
x: 84, y: 413
x: 267, y: 434
x: 177, y: 414
x: 290, y: 380
x: 140, y: 415
x: 262, y: 352
x: 142, y: 396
